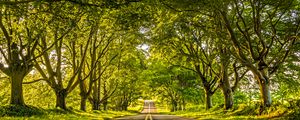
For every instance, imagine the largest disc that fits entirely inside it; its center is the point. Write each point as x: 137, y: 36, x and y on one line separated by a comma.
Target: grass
x: 211, y: 115
x: 33, y: 113
x: 239, y: 112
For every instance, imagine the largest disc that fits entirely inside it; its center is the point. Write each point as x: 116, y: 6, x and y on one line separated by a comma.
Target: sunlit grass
x: 58, y: 114
x: 240, y: 112
x: 213, y: 115
x: 101, y: 115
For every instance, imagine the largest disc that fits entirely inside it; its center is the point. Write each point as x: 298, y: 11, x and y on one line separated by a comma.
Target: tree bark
x: 105, y: 105
x: 226, y: 89
x: 17, y: 89
x: 83, y: 102
x: 96, y: 95
x: 208, y: 100
x: 61, y: 96
x: 183, y: 105
x: 174, y: 105
x: 262, y: 76
x: 95, y: 105
x: 266, y: 95
x: 83, y: 93
x: 228, y: 97
x: 124, y: 105
x: 265, y: 92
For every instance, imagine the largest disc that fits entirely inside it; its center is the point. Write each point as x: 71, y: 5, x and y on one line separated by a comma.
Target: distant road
x: 150, y: 113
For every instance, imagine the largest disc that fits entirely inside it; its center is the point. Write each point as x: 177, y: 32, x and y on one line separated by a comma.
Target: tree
x: 18, y: 48
x: 172, y: 83
x: 56, y: 65
x: 195, y: 46
x: 262, y: 33
x: 106, y: 52
x: 130, y: 81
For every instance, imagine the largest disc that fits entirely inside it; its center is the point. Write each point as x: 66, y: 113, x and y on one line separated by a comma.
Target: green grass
x: 240, y: 112
x: 209, y: 115
x: 32, y: 113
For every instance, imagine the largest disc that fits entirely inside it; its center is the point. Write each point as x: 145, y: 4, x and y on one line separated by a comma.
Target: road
x: 150, y: 113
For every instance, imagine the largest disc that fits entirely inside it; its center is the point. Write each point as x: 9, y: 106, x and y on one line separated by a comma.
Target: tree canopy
x: 111, y: 54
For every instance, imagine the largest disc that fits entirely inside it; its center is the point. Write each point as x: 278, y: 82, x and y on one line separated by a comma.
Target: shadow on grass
x: 14, y: 110
x: 28, y: 111
x: 22, y: 112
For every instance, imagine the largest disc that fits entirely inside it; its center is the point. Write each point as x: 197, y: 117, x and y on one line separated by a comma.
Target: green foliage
x: 93, y: 49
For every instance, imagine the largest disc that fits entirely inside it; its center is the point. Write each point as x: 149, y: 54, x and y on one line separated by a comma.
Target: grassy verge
x: 32, y: 113
x: 239, y: 112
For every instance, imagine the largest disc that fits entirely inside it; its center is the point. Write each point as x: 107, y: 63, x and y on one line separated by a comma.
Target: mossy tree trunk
x: 262, y: 76
x: 265, y: 94
x: 224, y: 80
x: 208, y: 99
x: 228, y: 97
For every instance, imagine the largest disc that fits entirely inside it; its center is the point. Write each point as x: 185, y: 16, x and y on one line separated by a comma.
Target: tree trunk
x: 224, y: 82
x: 124, y: 105
x: 16, y: 89
x: 183, y: 105
x: 96, y: 96
x: 227, y: 91
x: 261, y: 75
x: 228, y: 97
x: 95, y: 105
x: 174, y: 106
x: 83, y: 102
x: 208, y: 100
x: 61, y: 99
x: 265, y: 94
x: 105, y: 105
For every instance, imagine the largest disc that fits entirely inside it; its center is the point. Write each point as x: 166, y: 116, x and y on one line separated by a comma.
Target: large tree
x: 60, y: 65
x: 21, y: 38
x: 262, y: 34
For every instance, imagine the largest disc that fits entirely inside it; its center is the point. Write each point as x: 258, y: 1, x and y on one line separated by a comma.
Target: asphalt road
x: 150, y: 113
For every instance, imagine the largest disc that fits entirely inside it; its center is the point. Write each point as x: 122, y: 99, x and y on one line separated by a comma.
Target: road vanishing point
x: 150, y: 113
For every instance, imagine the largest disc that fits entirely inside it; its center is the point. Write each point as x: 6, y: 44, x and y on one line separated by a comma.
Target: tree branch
x: 8, y: 38
x: 33, y: 81
x: 4, y: 78
x: 4, y: 69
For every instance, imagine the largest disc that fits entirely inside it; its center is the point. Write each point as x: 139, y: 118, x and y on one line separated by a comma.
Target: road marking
x: 149, y: 113
x: 148, y: 116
